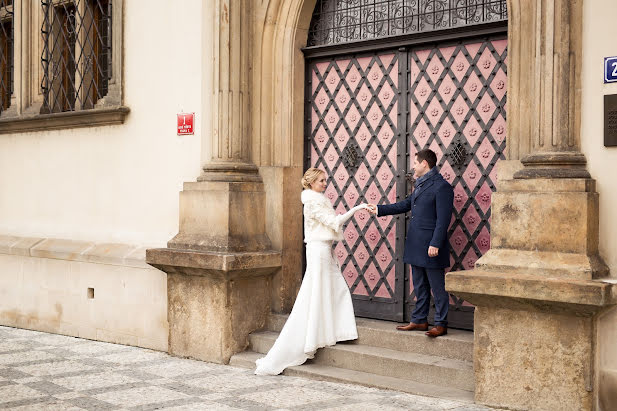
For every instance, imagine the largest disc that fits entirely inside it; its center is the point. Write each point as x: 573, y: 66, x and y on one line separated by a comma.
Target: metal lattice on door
x: 367, y: 115
x: 353, y: 125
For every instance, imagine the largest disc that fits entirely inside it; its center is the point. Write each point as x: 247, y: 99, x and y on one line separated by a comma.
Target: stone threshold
x: 75, y: 250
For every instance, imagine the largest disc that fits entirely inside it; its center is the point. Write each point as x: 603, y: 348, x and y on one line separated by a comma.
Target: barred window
x: 6, y: 53
x: 76, y: 57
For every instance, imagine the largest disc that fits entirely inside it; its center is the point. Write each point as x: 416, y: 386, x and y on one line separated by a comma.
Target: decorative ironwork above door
x: 344, y: 21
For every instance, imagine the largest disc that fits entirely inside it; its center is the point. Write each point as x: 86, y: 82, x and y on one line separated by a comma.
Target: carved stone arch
x: 278, y: 82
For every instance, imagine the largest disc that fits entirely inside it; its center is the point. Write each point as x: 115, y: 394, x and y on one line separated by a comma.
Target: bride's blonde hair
x: 311, y: 175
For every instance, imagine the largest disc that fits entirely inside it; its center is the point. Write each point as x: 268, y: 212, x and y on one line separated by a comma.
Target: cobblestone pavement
x: 40, y: 371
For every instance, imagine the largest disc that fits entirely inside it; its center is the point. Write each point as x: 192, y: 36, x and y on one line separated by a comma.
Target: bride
x: 323, y: 313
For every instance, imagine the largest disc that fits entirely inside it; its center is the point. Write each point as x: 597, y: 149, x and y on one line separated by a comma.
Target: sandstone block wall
x: 102, y: 292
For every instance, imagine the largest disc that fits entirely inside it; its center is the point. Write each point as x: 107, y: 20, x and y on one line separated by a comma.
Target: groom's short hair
x: 428, y: 155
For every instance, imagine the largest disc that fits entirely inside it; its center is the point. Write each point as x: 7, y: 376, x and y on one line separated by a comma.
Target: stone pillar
x: 220, y: 263
x: 554, y: 89
x: 539, y: 290
x: 230, y: 159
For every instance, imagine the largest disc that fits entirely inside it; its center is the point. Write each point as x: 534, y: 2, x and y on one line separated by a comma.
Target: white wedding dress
x: 323, y: 312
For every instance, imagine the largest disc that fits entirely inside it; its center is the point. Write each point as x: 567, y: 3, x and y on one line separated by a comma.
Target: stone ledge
x: 218, y: 265
x: 520, y: 291
x: 548, y: 185
x: 69, y: 119
x: 543, y: 264
x: 74, y: 250
x: 17, y: 245
x: 224, y: 186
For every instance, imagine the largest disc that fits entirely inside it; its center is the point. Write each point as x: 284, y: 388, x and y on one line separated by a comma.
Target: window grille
x: 342, y: 21
x: 6, y: 53
x: 76, y: 57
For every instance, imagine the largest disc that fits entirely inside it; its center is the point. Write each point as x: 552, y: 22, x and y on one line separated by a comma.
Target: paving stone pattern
x: 40, y: 371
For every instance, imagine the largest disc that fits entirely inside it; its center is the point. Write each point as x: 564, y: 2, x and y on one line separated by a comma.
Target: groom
x: 426, y: 245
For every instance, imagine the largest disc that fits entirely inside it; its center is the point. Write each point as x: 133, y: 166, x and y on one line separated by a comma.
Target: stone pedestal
x: 220, y: 263
x: 538, y: 293
x: 219, y: 268
x: 215, y: 299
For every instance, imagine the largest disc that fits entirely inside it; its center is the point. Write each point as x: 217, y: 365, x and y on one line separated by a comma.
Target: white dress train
x: 323, y: 312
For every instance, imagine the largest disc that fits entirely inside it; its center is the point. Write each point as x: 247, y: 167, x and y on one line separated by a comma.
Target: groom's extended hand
x: 372, y: 208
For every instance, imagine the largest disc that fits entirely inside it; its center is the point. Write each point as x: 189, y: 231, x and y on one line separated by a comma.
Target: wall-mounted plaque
x: 610, y: 120
x: 610, y: 69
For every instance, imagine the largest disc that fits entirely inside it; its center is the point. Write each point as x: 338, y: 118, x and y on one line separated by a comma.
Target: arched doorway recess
x: 384, y: 79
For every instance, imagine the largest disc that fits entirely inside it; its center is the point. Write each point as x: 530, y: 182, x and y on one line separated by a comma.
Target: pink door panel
x: 457, y: 98
x: 353, y: 137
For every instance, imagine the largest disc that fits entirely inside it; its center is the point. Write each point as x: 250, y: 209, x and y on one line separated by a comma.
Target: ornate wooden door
x: 367, y: 115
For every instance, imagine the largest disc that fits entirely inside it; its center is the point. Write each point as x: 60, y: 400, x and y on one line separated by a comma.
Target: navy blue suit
x: 431, y: 210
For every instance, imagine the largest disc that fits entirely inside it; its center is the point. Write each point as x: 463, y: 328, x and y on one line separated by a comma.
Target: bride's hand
x: 363, y: 206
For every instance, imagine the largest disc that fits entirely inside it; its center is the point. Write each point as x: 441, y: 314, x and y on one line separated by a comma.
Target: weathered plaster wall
x: 599, y: 35
x: 117, y: 183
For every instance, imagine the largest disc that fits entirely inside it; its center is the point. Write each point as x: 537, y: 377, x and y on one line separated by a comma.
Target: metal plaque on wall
x: 610, y: 120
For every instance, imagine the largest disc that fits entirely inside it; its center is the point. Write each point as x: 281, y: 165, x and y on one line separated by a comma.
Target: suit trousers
x: 426, y: 280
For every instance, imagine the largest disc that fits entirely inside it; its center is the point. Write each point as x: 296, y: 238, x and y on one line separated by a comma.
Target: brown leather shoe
x: 413, y: 327
x: 436, y: 331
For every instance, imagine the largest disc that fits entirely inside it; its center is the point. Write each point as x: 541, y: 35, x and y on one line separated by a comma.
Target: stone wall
x: 97, y: 291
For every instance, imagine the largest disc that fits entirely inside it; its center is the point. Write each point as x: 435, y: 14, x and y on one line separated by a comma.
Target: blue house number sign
x: 610, y: 69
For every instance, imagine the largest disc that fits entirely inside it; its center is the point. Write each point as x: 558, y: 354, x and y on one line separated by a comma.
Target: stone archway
x: 280, y: 30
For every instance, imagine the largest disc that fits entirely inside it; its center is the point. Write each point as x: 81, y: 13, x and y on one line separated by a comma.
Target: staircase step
x: 329, y: 373
x: 457, y: 344
x: 384, y: 361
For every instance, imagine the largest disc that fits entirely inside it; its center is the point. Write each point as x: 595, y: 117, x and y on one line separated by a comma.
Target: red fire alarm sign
x: 185, y: 123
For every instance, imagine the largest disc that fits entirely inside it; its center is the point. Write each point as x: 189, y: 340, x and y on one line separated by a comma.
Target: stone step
x: 457, y: 344
x: 428, y: 369
x: 328, y: 373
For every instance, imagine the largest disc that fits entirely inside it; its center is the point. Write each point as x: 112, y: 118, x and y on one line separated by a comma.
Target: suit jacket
x: 431, y: 211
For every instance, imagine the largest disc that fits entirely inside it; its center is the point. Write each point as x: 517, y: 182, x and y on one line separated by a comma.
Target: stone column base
x: 533, y: 360
x: 222, y: 216
x: 534, y: 337
x: 215, y: 299
x: 539, y: 292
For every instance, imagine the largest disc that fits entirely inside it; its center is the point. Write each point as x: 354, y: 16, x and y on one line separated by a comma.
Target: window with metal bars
x: 6, y: 53
x: 76, y: 57
x: 343, y: 21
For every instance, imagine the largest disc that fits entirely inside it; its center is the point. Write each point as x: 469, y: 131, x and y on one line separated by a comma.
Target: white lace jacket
x: 320, y: 220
